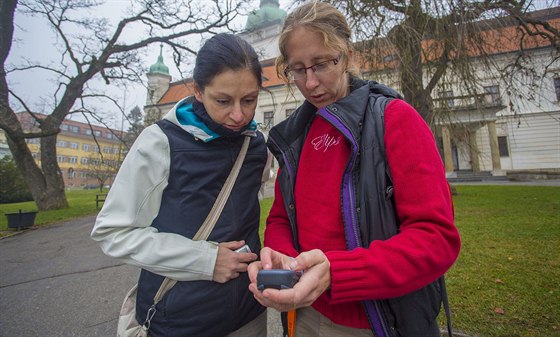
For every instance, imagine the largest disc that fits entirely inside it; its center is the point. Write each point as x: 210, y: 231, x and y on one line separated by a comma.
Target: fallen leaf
x: 500, y: 311
x: 498, y: 281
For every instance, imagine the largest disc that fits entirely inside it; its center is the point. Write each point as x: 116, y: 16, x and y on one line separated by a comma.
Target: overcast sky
x: 35, y: 41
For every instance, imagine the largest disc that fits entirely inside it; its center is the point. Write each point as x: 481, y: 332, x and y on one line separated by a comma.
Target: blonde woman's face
x: 306, y: 49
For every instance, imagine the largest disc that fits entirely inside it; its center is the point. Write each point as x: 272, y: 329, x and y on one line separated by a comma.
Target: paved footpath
x: 56, y: 282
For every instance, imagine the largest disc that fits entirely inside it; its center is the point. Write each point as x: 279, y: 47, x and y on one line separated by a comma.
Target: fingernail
x: 293, y: 264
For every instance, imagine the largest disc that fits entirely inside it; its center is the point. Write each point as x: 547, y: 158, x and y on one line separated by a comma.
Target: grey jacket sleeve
x: 123, y: 226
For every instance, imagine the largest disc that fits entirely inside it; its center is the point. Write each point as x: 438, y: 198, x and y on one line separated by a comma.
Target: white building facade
x: 505, y: 128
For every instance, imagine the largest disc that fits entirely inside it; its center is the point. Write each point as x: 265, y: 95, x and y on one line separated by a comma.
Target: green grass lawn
x: 506, y: 280
x: 81, y: 202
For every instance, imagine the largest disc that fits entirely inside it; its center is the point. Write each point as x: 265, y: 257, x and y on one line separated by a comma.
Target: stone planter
x: 22, y: 219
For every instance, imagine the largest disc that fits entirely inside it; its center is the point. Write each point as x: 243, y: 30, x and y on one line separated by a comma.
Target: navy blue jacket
x: 197, y: 173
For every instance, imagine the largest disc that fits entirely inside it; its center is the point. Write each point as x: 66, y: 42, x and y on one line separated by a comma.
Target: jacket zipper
x: 291, y: 173
x: 348, y: 202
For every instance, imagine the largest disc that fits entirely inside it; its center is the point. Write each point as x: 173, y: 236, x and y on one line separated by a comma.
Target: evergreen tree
x: 12, y: 184
x: 136, y: 126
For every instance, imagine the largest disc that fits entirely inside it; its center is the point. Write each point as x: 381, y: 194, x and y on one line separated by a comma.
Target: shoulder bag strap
x: 206, y: 228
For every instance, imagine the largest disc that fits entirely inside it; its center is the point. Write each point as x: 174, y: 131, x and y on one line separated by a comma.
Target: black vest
x: 371, y: 206
x: 196, y: 175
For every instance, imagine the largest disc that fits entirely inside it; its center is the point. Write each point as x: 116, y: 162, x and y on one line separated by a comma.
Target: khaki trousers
x: 255, y: 328
x: 310, y: 323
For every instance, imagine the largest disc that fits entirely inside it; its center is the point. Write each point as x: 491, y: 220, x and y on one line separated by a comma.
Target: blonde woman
x: 361, y: 203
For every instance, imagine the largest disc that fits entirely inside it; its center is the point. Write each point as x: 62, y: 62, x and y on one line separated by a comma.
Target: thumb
x: 307, y: 260
x: 233, y: 245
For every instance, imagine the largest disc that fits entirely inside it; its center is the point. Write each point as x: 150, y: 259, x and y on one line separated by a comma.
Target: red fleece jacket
x: 428, y: 242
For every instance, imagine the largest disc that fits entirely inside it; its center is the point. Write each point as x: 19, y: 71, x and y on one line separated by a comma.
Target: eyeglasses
x: 298, y: 74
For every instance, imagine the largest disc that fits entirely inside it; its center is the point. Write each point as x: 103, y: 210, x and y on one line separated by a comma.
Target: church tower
x: 263, y: 28
x: 158, y: 83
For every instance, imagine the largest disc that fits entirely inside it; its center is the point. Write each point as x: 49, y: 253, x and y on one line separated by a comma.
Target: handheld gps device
x: 277, y: 278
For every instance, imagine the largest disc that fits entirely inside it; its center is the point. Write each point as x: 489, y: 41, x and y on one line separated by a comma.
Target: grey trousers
x: 310, y: 323
x: 255, y: 328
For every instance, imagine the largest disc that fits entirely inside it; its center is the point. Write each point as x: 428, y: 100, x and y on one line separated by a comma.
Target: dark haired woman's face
x: 231, y: 98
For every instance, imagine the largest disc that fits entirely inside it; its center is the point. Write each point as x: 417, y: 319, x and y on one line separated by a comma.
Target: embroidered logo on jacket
x: 324, y: 142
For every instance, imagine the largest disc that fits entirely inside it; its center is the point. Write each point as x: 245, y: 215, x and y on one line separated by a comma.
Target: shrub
x: 12, y: 186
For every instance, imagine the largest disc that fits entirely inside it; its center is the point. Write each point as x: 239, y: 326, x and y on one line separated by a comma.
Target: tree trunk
x: 45, y: 188
x: 410, y: 50
x: 53, y: 175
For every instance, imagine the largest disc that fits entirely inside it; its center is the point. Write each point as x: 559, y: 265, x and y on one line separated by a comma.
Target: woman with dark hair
x: 166, y: 187
x: 361, y: 201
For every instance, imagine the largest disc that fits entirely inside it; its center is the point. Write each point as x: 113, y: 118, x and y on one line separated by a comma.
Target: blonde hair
x: 321, y: 18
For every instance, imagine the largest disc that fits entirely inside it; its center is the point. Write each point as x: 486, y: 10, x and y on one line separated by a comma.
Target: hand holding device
x: 244, y: 249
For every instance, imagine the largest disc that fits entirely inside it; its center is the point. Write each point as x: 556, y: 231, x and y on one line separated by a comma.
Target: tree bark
x: 44, y: 188
x: 47, y: 188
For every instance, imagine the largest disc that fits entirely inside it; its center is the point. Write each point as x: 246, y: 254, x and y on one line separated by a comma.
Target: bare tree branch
x: 424, y: 42
x: 90, y: 49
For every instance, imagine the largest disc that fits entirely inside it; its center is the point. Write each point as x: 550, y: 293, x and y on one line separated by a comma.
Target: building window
x: 72, y: 160
x: 503, y: 146
x: 449, y: 102
x: 557, y: 88
x: 268, y: 119
x: 84, y: 160
x: 61, y: 143
x: 86, y: 147
x: 289, y: 112
x: 74, y: 146
x: 492, y: 95
x: 389, y: 58
x: 97, y: 133
x: 74, y: 128
x: 60, y: 159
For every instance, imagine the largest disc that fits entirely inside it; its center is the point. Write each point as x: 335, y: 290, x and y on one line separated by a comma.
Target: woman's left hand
x: 230, y: 263
x: 314, y: 281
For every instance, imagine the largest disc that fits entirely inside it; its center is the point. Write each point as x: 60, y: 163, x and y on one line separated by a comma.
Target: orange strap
x: 291, y: 323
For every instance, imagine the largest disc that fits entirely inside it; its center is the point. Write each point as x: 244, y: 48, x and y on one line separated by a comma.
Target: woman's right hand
x: 270, y: 259
x: 315, y: 280
x: 230, y: 263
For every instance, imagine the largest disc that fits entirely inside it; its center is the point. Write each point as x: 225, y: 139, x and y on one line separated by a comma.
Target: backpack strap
x: 446, y: 305
x: 389, y: 192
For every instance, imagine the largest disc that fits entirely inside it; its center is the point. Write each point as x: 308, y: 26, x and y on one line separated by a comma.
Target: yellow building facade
x: 88, y: 155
